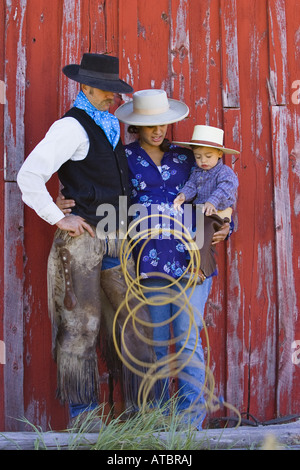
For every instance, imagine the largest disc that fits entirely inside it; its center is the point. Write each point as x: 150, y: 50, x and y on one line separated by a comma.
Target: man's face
x: 101, y: 99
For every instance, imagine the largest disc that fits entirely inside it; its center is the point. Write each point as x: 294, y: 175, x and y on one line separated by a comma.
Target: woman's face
x: 152, y: 135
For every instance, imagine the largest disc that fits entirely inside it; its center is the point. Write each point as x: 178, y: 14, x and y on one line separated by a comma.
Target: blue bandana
x: 108, y: 122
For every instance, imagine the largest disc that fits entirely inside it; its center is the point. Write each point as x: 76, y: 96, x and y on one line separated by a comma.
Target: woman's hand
x: 221, y: 234
x: 64, y: 204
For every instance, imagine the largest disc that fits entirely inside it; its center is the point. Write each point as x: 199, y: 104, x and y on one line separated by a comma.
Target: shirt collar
x: 213, y: 170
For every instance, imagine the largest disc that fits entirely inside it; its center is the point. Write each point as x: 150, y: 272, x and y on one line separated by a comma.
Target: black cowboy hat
x: 98, y: 71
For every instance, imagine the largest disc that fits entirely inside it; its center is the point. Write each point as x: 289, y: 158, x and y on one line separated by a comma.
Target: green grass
x: 149, y: 429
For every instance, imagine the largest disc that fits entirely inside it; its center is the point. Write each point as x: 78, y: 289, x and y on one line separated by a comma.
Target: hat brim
x: 72, y: 71
x: 176, y: 112
x: 197, y: 144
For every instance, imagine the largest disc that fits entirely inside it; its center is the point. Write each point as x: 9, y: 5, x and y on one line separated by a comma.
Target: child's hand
x: 178, y: 201
x: 65, y: 204
x: 209, y: 209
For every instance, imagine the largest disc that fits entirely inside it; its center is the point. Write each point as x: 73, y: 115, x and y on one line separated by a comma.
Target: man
x: 85, y: 148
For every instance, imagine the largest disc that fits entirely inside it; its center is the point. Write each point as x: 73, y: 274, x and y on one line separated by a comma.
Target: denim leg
x: 161, y: 335
x: 109, y: 262
x: 76, y: 409
x: 192, y: 376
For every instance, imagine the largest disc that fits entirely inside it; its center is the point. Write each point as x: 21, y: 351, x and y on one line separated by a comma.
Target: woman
x: 157, y: 172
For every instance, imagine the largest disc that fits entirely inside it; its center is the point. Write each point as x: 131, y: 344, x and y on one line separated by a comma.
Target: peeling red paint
x: 235, y: 63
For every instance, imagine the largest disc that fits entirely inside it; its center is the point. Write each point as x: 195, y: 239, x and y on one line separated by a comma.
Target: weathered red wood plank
x: 278, y: 80
x: 128, y: 51
x: 251, y: 293
x: 43, y: 101
x: 112, y: 27
x: 293, y: 46
x: 2, y: 104
x: 285, y: 140
x: 293, y: 41
x: 153, y: 43
x: 128, y: 43
x: 229, y: 52
x: 15, y: 87
x: 294, y: 183
x: 287, y: 252
x: 15, y: 31
x: 180, y: 61
x: 153, y: 40
x: 74, y: 38
x: 204, y: 34
x: 228, y: 60
x: 95, y: 11
x: 13, y: 309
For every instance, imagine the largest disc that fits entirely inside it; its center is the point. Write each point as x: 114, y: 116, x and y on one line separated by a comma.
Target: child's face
x: 207, y: 157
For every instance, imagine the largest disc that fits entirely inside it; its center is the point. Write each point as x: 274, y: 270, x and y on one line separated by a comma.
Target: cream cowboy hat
x: 207, y: 136
x: 151, y: 108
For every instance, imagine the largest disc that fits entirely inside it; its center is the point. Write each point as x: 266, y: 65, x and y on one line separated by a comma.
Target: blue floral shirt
x: 156, y: 188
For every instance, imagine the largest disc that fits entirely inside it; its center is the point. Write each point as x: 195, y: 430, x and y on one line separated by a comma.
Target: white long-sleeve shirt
x: 65, y: 140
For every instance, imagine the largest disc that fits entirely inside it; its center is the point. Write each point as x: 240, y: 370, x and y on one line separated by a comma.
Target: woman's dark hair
x: 164, y: 146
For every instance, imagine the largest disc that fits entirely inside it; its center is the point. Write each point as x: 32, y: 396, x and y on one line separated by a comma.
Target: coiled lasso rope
x: 173, y: 363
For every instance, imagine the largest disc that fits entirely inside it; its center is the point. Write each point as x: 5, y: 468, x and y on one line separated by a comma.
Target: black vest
x: 100, y: 178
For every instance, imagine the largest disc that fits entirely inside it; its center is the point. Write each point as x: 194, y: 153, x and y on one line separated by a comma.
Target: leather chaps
x: 82, y: 301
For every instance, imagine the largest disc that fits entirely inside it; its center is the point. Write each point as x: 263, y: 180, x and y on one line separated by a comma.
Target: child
x: 212, y: 184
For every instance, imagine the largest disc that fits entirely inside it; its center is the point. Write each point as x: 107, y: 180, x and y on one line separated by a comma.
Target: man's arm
x: 66, y: 139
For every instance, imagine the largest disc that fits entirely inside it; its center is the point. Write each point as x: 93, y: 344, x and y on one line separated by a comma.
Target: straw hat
x: 207, y: 136
x: 151, y: 108
x: 98, y: 71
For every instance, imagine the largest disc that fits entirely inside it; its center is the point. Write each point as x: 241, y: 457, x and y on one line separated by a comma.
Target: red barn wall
x: 237, y: 65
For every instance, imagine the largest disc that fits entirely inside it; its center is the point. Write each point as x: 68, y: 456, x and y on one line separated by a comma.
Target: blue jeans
x: 191, y: 377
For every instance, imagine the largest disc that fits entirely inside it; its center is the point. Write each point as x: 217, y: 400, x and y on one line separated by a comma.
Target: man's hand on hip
x: 75, y: 225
